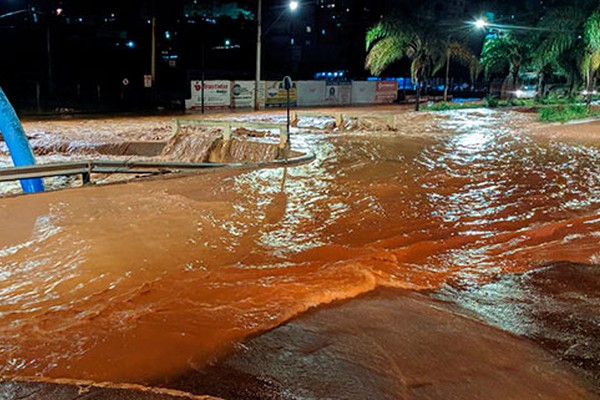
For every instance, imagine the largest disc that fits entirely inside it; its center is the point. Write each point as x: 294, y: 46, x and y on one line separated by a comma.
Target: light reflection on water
x: 133, y: 282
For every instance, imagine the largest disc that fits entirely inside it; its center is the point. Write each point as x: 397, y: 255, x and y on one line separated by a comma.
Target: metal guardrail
x: 88, y: 167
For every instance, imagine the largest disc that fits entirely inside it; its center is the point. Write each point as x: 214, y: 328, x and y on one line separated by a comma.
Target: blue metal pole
x: 18, y: 145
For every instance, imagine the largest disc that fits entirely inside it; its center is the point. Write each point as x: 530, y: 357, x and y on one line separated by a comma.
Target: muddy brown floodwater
x: 137, y: 282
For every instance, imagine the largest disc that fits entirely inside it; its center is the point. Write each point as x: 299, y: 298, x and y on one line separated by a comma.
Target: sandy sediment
x: 386, y: 345
x: 65, y: 389
x: 556, y: 306
x: 585, y: 130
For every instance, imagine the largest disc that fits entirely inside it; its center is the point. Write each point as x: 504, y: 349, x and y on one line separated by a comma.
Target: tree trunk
x: 589, y: 86
x: 447, y: 77
x: 540, y: 87
x: 418, y: 102
x: 515, y: 82
x: 571, y: 84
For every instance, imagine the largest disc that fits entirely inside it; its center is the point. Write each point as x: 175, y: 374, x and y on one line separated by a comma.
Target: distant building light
x: 227, y: 42
x: 323, y: 32
x: 292, y: 41
x: 59, y: 11
x: 308, y: 29
x: 167, y: 35
x: 130, y: 44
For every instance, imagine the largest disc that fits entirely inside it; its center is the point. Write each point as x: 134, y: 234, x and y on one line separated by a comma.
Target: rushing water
x: 139, y: 281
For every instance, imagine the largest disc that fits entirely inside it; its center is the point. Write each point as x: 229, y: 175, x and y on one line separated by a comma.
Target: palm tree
x: 591, y: 60
x: 390, y: 41
x: 573, y: 41
x: 458, y: 51
x: 505, y: 51
x: 420, y: 40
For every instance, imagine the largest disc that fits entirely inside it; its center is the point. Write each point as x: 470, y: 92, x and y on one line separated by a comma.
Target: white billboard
x: 242, y: 94
x: 363, y: 92
x: 338, y: 93
x: 311, y: 93
x: 216, y: 95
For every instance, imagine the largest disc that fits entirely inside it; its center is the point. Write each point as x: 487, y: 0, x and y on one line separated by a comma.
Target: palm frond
x: 592, y: 31
x: 383, y: 53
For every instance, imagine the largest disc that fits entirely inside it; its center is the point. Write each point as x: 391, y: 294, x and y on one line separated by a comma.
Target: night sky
x: 70, y: 48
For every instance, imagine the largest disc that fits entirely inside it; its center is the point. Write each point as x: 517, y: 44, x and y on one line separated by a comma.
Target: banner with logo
x: 386, y: 91
x: 216, y: 95
x: 338, y: 93
x: 242, y: 94
x: 276, y: 95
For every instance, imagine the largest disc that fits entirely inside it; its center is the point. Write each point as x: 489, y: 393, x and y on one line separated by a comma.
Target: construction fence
x: 272, y: 94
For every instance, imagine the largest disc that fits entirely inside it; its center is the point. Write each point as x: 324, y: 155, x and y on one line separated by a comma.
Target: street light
x: 480, y: 23
x: 293, y: 5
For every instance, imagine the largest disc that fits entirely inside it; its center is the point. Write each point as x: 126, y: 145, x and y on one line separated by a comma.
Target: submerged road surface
x: 136, y: 282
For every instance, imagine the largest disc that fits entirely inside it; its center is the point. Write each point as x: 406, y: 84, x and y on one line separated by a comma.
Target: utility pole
x: 258, y: 54
x: 153, y: 49
x: 50, y: 72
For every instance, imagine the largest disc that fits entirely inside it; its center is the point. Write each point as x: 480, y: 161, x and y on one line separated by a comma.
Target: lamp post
x: 293, y: 6
x: 258, y: 53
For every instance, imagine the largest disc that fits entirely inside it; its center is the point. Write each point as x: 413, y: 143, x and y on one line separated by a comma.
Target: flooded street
x: 143, y: 281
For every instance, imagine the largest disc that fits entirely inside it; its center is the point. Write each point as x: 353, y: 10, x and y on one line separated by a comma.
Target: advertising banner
x: 276, y: 95
x: 311, y: 93
x: 363, y: 92
x: 338, y: 93
x: 386, y: 91
x: 242, y: 94
x: 216, y: 95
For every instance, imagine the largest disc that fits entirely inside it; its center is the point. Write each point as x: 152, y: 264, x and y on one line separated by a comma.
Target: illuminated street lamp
x: 480, y: 23
x: 293, y: 5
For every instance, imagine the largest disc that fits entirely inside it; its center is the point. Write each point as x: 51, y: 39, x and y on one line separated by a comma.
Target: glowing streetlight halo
x: 481, y: 23
x: 294, y: 5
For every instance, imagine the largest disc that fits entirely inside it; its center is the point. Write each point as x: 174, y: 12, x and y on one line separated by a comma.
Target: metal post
x: 38, y: 96
x: 258, y: 54
x: 50, y: 71
x: 288, y: 115
x: 287, y: 84
x: 17, y: 143
x: 85, y: 178
x: 203, y: 71
x: 153, y: 50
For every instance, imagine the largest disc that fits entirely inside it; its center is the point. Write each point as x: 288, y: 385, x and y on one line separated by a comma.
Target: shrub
x: 564, y: 113
x: 490, y: 101
x: 445, y: 106
x: 517, y: 102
